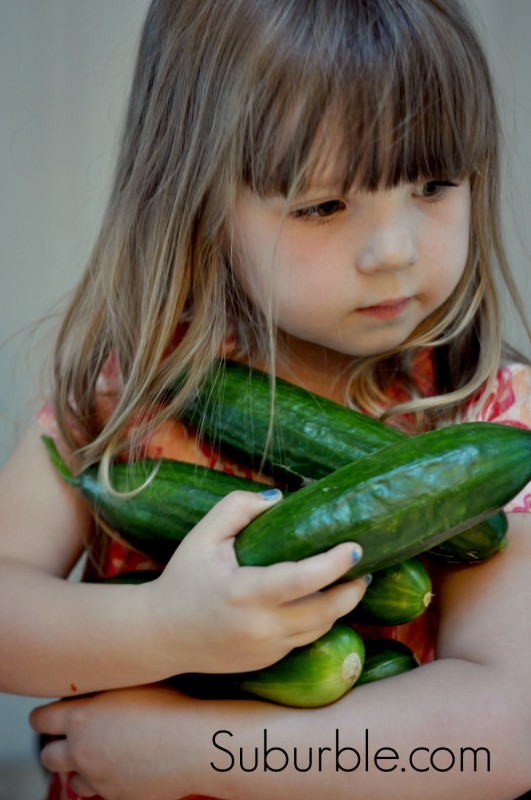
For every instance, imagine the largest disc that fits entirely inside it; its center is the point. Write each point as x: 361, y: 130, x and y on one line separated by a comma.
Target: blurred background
x: 65, y: 67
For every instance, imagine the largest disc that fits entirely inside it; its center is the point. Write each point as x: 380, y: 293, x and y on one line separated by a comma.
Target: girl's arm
x: 65, y: 637
x: 459, y: 727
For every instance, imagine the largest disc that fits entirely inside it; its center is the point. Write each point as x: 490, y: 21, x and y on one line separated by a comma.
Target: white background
x: 65, y: 67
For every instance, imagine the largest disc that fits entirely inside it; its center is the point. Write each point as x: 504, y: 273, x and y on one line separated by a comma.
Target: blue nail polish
x: 368, y: 579
x: 271, y: 494
x: 356, y: 555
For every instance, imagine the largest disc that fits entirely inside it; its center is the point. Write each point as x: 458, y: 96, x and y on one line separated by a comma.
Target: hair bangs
x: 383, y: 103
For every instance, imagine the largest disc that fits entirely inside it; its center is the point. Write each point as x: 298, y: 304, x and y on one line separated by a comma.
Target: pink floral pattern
x: 508, y: 402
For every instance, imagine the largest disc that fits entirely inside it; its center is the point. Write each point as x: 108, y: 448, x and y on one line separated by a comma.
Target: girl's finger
x: 48, y: 719
x: 81, y: 787
x: 292, y: 580
x: 234, y: 512
x: 54, y: 756
x: 320, y: 610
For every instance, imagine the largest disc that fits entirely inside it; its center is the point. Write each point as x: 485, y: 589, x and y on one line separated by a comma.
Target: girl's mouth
x: 387, y: 309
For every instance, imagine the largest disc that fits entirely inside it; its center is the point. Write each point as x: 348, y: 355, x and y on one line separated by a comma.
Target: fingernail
x: 271, y: 494
x: 368, y: 579
x: 356, y: 555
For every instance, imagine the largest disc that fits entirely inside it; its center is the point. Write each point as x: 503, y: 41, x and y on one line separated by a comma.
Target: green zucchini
x: 396, y: 595
x: 310, y: 437
x: 314, y: 675
x: 385, y: 658
x: 156, y: 519
x: 399, y: 501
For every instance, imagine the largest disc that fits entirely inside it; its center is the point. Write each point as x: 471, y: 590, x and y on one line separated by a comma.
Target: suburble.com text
x: 340, y: 756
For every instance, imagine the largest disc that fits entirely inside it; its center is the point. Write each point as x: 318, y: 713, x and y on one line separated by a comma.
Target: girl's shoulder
x: 507, y: 400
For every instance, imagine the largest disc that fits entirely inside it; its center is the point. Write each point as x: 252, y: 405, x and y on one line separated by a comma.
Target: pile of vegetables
x: 346, y: 477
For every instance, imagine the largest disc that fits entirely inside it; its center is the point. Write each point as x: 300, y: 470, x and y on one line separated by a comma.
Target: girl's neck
x: 317, y: 369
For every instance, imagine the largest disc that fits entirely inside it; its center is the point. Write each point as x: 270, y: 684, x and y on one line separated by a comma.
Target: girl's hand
x: 126, y: 744
x: 212, y: 615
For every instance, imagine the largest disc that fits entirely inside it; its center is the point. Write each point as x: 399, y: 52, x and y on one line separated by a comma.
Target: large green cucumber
x: 155, y: 520
x: 385, y: 658
x: 399, y: 501
x: 310, y: 436
x: 396, y: 595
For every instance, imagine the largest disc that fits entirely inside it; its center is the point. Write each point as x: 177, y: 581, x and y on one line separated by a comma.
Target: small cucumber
x: 314, y: 675
x: 476, y: 544
x: 396, y: 595
x: 385, y: 658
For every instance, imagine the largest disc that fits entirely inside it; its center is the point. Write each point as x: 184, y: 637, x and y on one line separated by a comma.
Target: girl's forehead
x: 347, y: 155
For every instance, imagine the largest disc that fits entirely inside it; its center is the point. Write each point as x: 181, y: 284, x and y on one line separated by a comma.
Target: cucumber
x: 476, y: 544
x: 385, y: 658
x: 396, y: 502
x: 314, y: 675
x: 399, y: 501
x: 311, y: 436
x: 156, y: 519
x: 396, y: 595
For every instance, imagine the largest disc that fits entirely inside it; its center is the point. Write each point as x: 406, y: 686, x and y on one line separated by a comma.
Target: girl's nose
x: 390, y: 243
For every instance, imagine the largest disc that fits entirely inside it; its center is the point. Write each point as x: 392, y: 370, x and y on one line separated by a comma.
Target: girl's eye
x: 320, y: 210
x: 433, y: 189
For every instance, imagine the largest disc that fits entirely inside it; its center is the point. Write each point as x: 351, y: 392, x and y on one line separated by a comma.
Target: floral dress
x: 508, y: 402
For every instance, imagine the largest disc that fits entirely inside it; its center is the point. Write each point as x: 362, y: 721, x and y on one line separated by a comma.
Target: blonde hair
x: 241, y: 92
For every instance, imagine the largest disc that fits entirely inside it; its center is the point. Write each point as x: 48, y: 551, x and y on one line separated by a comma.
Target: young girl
x: 311, y: 188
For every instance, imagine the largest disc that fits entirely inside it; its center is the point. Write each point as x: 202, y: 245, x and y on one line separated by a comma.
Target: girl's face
x: 354, y: 273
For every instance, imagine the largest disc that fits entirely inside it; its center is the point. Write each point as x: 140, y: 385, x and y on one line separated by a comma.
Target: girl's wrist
x: 160, y: 634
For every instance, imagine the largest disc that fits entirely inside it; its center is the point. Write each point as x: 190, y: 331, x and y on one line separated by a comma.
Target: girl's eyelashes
x: 434, y: 189
x: 319, y: 211
x: 431, y: 190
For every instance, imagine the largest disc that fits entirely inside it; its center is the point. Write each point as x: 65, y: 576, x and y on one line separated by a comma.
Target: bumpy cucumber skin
x: 314, y: 675
x: 311, y: 436
x: 385, y: 658
x: 398, y: 502
x: 396, y: 595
